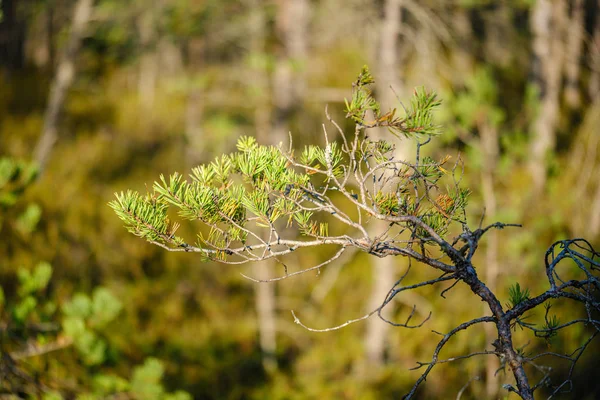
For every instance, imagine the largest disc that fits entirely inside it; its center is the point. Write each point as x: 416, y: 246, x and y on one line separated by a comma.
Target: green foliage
x: 146, y: 383
x: 85, y: 320
x: 362, y: 101
x: 478, y: 102
x: 15, y: 176
x: 268, y: 191
x: 107, y: 384
x: 52, y: 395
x: 30, y: 286
x: 516, y: 295
x: 85, y: 315
x: 33, y: 282
x: 146, y: 216
x: 416, y: 123
x: 419, y: 118
x: 260, y: 185
x: 29, y: 319
x: 22, y: 309
x: 28, y: 220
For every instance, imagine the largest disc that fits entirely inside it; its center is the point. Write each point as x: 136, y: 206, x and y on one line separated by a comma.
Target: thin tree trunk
x: 265, y: 292
x: 594, y: 226
x: 383, y: 268
x: 289, y: 84
x: 376, y: 330
x: 489, y: 147
x: 547, y: 26
x: 272, y: 130
x: 498, y: 30
x: 576, y: 31
x: 63, y: 79
x: 388, y: 71
x: 193, y: 125
x: 594, y: 55
x: 462, y: 55
x: 287, y: 91
x: 195, y: 141
x: 148, y: 72
x: 50, y: 38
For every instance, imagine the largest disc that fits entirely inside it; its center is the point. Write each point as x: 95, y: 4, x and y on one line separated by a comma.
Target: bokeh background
x: 106, y: 95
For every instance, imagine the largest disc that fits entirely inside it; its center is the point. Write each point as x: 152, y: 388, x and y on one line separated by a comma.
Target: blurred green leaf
x: 74, y: 326
x: 87, y: 396
x: 80, y: 306
x: 24, y: 308
x: 8, y: 199
x: 178, y: 395
x: 28, y: 220
x: 52, y: 395
x: 105, y: 307
x: 32, y: 282
x: 92, y: 348
x: 145, y: 383
x: 107, y: 384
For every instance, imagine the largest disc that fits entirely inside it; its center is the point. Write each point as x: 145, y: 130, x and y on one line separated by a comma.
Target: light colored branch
x: 316, y: 267
x: 34, y: 350
x: 63, y: 79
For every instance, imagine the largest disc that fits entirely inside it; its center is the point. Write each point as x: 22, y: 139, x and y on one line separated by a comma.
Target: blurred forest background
x: 106, y: 95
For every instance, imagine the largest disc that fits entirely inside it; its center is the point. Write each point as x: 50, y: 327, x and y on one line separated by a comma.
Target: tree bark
x: 193, y: 125
x: 272, y: 122
x: 148, y: 73
x: 462, y: 54
x: 63, y: 79
x: 288, y: 79
x: 547, y: 26
x: 265, y: 292
x: 594, y: 54
x: 383, y: 268
x: 576, y: 31
x: 595, y: 213
x: 504, y: 345
x: 490, y: 150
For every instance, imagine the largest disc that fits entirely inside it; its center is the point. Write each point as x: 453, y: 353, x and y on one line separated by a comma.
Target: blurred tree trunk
x: 265, y: 292
x: 582, y: 173
x: 383, y: 268
x: 594, y: 60
x: 195, y: 140
x: 590, y: 162
x: 291, y: 26
x: 462, y: 54
x: 259, y: 77
x: 547, y: 21
x: 272, y: 124
x: 63, y: 78
x: 193, y: 125
x: 576, y: 31
x: 497, y: 20
x: 12, y: 36
x: 490, y: 149
x: 50, y: 39
x: 146, y: 26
